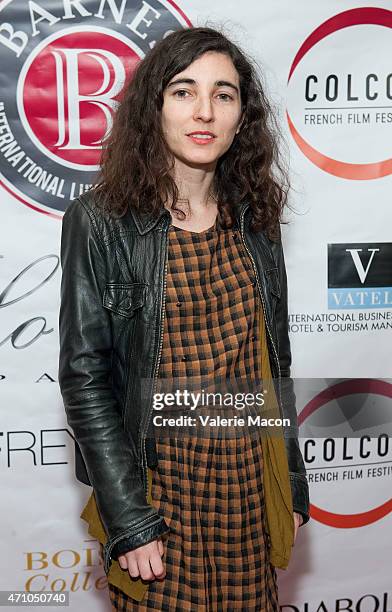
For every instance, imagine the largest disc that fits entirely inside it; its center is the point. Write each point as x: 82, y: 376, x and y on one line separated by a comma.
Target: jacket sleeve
x: 298, y: 480
x: 85, y: 383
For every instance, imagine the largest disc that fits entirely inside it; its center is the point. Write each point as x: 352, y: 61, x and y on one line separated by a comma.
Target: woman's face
x: 203, y: 99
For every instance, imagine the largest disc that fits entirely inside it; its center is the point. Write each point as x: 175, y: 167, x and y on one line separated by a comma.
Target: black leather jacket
x: 111, y: 328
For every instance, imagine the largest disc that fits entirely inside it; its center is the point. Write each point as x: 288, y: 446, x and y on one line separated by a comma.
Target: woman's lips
x: 201, y: 140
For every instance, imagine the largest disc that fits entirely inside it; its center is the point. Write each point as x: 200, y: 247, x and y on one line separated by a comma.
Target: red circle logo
x: 69, y: 93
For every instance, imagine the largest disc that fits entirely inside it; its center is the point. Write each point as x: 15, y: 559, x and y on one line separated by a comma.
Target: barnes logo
x: 64, y: 66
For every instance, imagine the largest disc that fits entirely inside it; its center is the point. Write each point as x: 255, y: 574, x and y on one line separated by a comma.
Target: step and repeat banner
x: 326, y: 68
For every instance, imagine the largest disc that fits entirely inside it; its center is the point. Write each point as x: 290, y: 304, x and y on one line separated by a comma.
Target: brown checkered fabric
x: 210, y: 489
x: 210, y: 307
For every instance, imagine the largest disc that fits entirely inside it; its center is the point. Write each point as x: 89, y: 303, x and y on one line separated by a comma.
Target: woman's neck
x: 194, y: 187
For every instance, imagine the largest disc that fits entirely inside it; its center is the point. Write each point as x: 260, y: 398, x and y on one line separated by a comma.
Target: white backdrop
x: 316, y: 58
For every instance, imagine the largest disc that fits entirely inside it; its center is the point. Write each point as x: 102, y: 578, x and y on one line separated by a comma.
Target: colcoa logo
x: 340, y: 92
x: 64, y: 66
x: 356, y: 455
x: 360, y: 275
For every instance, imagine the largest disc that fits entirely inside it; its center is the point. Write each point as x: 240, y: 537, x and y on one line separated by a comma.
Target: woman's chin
x: 198, y: 160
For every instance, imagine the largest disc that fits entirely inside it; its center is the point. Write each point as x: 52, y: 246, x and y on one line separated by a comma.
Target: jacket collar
x: 145, y: 221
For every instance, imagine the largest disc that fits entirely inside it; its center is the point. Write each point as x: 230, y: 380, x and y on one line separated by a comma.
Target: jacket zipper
x: 157, y: 362
x: 262, y: 299
x: 124, y: 418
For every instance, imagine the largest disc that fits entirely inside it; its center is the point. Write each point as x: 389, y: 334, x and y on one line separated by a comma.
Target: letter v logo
x: 362, y: 272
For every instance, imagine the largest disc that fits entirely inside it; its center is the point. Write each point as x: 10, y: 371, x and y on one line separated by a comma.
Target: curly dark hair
x: 136, y: 163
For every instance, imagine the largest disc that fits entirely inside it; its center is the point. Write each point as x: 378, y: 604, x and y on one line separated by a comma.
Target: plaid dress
x: 210, y: 489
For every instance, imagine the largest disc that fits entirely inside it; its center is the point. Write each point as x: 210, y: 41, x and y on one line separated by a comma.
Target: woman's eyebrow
x: 193, y: 82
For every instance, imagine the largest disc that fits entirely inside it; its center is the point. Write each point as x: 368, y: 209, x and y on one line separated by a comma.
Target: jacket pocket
x: 124, y: 298
x: 272, y: 277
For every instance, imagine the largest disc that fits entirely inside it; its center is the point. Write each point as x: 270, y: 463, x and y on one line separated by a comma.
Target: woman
x: 173, y: 269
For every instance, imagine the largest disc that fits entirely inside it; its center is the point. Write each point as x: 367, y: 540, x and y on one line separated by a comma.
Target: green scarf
x: 279, y: 515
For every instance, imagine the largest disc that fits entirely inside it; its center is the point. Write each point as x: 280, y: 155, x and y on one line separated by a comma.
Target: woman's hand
x: 298, y: 520
x: 145, y: 561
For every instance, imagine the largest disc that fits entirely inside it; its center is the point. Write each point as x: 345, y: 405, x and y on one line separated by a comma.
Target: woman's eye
x: 225, y: 96
x: 180, y: 91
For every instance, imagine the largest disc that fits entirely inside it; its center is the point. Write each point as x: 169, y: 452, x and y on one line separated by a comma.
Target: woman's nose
x: 203, y: 108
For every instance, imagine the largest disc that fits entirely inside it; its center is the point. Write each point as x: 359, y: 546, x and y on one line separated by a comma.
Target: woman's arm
x: 84, y: 379
x: 298, y: 480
